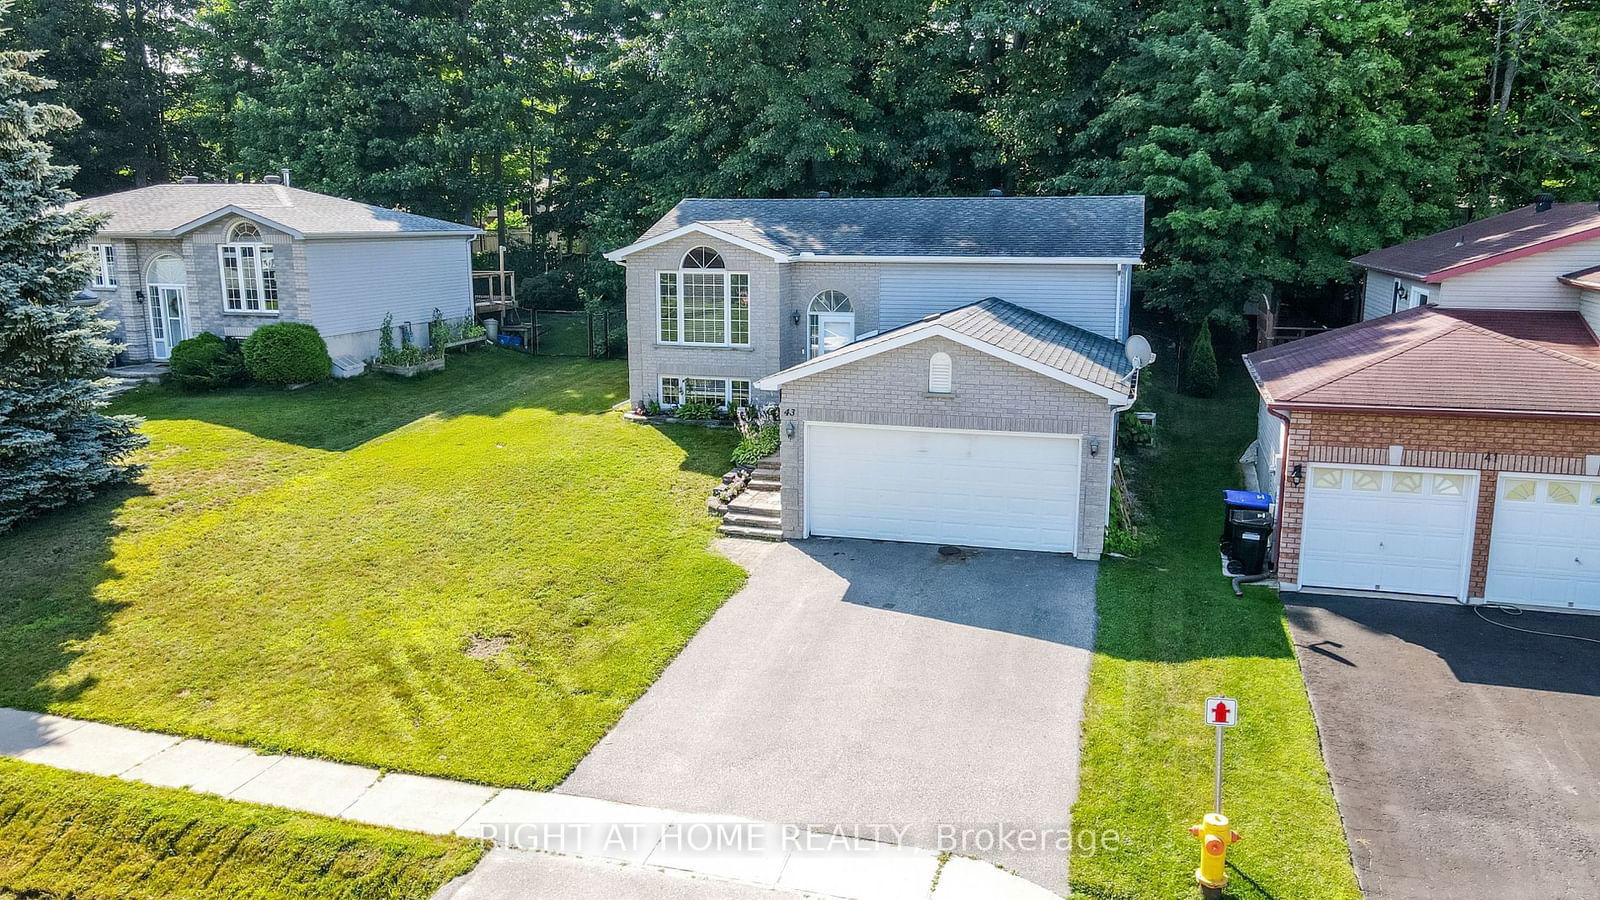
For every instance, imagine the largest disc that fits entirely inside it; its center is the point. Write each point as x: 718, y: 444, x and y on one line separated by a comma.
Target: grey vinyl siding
x: 1083, y: 295
x: 1525, y: 283
x: 1378, y: 299
x: 1589, y: 305
x: 353, y: 283
x: 1269, y: 448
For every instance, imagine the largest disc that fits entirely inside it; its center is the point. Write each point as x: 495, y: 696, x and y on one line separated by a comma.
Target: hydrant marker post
x: 1213, y: 831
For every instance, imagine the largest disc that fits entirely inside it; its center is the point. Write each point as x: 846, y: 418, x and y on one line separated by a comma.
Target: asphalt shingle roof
x: 1426, y: 259
x: 1539, y: 363
x: 1110, y: 227
x: 159, y: 210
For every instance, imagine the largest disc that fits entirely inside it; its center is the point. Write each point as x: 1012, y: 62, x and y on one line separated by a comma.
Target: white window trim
x: 683, y: 390
x: 105, y: 270
x: 727, y: 309
x: 261, y: 279
x: 814, y: 319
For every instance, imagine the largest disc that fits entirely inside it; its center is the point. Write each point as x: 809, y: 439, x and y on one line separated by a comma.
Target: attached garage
x: 987, y: 426
x: 1395, y: 530
x: 1545, y: 548
x: 941, y: 485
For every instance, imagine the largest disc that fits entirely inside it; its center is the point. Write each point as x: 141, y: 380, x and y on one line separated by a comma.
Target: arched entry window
x: 164, y: 281
x: 832, y: 323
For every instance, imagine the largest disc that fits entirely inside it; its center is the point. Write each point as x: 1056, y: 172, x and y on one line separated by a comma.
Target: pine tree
x: 55, y: 446
x: 1201, y: 375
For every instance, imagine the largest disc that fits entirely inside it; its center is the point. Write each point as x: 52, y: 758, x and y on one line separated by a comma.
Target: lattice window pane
x: 714, y: 390
x: 269, y: 279
x: 741, y: 393
x: 670, y: 395
x: 739, y: 288
x: 704, y: 306
x: 232, y: 287
x: 669, y: 307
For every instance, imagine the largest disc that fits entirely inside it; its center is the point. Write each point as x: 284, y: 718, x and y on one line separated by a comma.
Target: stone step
x: 769, y: 464
x: 760, y: 483
x: 761, y: 519
x: 745, y: 531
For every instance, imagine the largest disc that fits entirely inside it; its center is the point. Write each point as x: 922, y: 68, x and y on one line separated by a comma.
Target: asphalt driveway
x: 1465, y: 756
x: 860, y: 683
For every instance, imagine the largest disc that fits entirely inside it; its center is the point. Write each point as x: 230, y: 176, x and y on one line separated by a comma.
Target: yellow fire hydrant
x: 1215, y: 836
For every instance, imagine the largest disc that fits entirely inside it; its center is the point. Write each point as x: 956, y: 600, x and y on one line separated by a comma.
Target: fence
x: 598, y: 334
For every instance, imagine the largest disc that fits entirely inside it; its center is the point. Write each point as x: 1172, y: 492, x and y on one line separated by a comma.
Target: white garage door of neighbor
x: 1545, y: 550
x: 942, y: 486
x: 1404, y: 531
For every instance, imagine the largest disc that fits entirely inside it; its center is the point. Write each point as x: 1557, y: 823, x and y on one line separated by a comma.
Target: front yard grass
x: 471, y: 575
x: 63, y: 834
x: 1170, y: 634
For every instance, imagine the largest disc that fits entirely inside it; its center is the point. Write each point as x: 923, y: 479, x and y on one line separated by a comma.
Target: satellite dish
x: 1139, y: 352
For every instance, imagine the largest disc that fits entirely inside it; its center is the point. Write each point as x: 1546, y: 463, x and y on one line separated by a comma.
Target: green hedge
x: 206, y: 362
x: 287, y: 353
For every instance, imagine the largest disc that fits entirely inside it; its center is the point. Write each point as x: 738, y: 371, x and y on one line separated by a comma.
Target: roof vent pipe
x: 189, y: 179
x: 272, y: 179
x: 1543, y: 202
x: 823, y: 195
x: 285, y: 173
x: 996, y: 192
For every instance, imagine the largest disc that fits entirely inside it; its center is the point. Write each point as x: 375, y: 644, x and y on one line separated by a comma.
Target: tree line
x: 1273, y: 140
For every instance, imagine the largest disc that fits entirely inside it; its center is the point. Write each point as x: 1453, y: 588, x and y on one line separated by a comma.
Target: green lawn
x: 306, y: 571
x: 1170, y: 634
x: 68, y: 835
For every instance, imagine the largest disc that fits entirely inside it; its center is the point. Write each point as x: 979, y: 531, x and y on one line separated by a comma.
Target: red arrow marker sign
x: 1222, y: 711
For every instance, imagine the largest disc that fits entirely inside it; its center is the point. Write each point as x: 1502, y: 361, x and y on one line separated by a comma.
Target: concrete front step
x: 763, y: 483
x: 746, y: 531
x: 752, y: 519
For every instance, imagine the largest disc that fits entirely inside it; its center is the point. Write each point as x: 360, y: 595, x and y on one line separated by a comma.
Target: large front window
x: 703, y: 303
x: 249, y: 272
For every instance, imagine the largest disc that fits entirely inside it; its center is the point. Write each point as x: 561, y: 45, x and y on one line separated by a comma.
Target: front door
x: 168, y: 319
x: 834, y: 332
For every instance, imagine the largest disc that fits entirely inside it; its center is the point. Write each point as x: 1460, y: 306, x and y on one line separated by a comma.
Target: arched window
x: 831, y: 323
x: 939, y: 373
x: 702, y: 302
x: 703, y: 258
x: 249, y: 272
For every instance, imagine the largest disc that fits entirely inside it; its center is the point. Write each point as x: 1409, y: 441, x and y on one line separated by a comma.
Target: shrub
x: 1202, y: 369
x: 757, y: 445
x: 287, y: 353
x: 206, y: 362
x: 696, y: 409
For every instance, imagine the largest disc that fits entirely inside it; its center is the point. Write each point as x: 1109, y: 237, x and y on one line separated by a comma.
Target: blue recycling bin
x: 1246, y: 529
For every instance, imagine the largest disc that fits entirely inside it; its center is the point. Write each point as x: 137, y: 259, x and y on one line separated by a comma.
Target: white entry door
x: 1545, y: 550
x: 942, y: 486
x: 835, y: 331
x: 169, y: 321
x: 1403, y: 531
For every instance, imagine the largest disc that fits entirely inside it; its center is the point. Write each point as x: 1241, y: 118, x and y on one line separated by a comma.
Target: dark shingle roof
x: 1111, y: 227
x: 1538, y: 363
x: 160, y: 210
x: 1478, y: 243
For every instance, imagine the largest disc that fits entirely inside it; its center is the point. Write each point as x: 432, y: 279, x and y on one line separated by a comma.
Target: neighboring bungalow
x: 947, y: 370
x: 178, y: 259
x: 1449, y: 445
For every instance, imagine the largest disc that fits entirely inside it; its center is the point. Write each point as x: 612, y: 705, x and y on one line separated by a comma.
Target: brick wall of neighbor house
x: 891, y: 388
x: 648, y: 359
x: 803, y: 281
x: 1489, y: 446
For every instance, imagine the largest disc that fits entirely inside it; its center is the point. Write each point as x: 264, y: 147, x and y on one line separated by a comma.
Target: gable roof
x: 171, y: 210
x: 1027, y: 229
x: 1584, y: 279
x: 1032, y: 340
x: 1487, y: 242
x: 1440, y: 360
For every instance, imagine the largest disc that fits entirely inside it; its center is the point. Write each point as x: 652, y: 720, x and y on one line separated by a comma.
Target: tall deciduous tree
x: 55, y: 445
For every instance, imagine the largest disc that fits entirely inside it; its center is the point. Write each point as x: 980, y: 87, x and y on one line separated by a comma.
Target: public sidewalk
x: 612, y: 839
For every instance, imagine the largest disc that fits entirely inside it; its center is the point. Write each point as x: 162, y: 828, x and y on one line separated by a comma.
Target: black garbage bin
x: 1246, y: 529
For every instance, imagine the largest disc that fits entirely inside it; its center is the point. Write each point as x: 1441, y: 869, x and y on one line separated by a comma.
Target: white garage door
x: 940, y: 486
x: 1545, y: 550
x: 1405, y: 531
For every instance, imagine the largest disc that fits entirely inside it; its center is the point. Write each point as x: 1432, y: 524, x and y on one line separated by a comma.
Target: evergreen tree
x: 55, y: 446
x: 1200, y: 372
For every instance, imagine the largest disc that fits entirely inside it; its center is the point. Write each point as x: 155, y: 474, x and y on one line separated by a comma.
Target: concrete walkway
x: 612, y: 840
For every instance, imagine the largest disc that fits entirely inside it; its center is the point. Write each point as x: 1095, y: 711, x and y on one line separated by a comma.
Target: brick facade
x: 891, y: 388
x: 1488, y: 446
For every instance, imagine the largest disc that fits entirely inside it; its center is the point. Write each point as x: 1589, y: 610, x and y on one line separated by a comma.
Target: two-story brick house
x: 947, y: 369
x: 173, y: 260
x: 1448, y: 447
